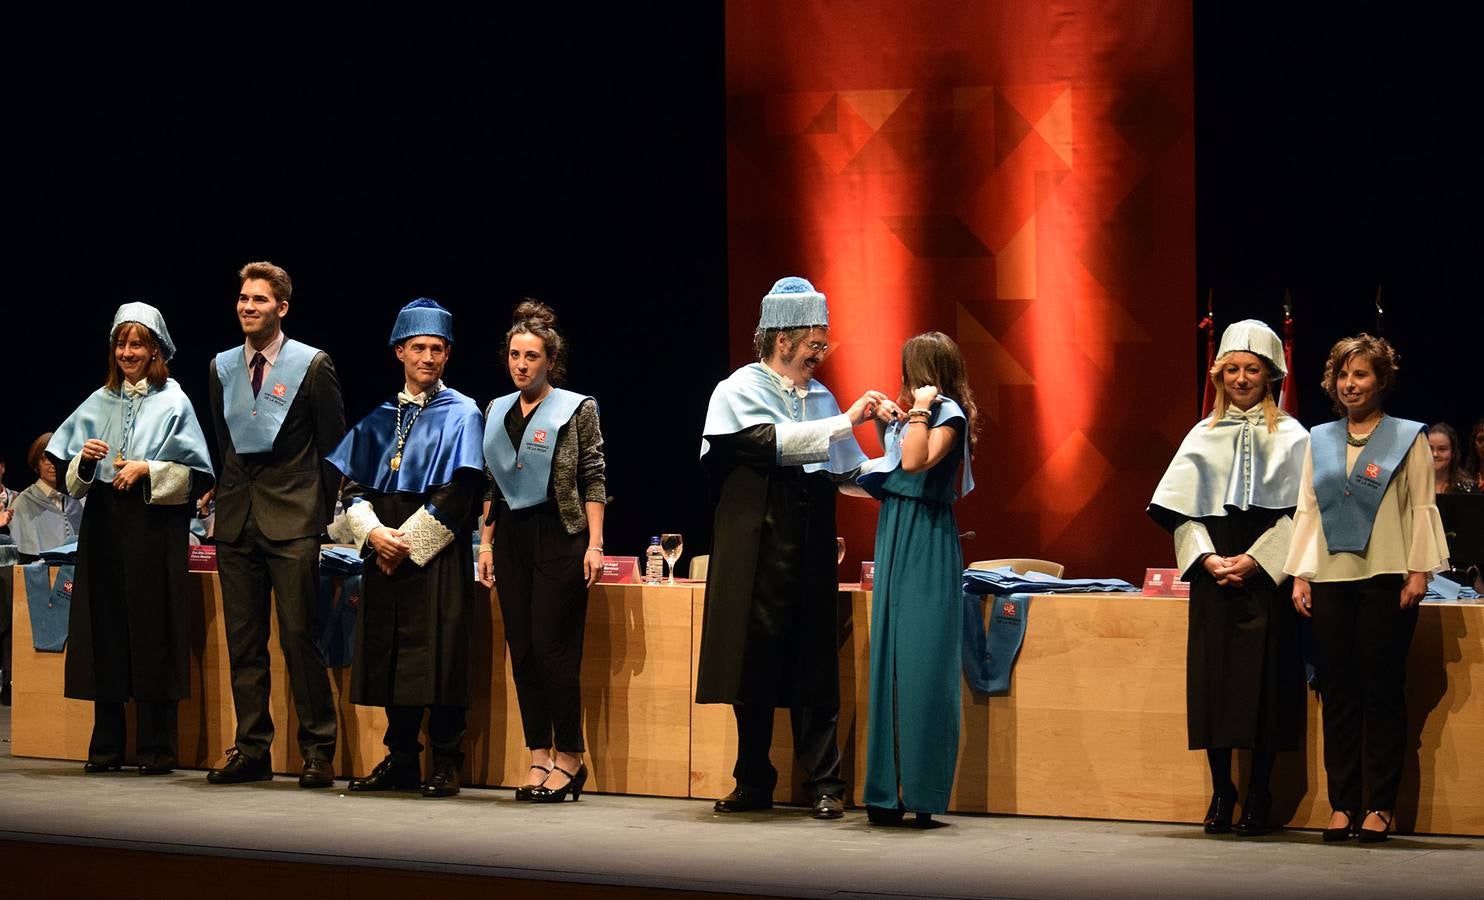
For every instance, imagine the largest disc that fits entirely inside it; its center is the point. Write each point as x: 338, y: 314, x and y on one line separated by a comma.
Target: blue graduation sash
x: 49, y: 606
x: 254, y: 421
x: 943, y: 413
x: 522, y: 476
x: 988, y: 656
x: 1348, y: 500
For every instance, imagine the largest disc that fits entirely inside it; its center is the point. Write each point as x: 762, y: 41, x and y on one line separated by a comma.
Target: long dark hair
x: 535, y: 317
x: 933, y: 358
x: 1455, y: 463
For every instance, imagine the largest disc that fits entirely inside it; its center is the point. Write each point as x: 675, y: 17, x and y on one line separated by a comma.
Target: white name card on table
x: 201, y: 558
x: 868, y: 574
x: 1165, y: 583
x: 620, y: 570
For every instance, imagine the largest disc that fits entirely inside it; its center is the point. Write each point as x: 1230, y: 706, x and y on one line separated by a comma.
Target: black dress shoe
x: 240, y: 769
x: 828, y: 806
x: 1344, y: 832
x: 444, y: 783
x: 881, y: 815
x: 1371, y: 835
x: 98, y: 768
x: 575, y: 783
x: 318, y: 773
x: 391, y: 774
x: 744, y: 800
x: 524, y: 791
x: 158, y: 767
x: 1255, y: 817
x: 1219, y: 813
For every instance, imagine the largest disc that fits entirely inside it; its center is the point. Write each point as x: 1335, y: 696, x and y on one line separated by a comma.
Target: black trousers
x: 446, y: 727
x: 1362, y: 636
x: 816, y: 748
x: 154, y: 732
x: 543, y: 601
x: 250, y: 568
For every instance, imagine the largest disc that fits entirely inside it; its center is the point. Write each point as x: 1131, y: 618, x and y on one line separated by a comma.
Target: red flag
x: 1208, y: 325
x: 1288, y: 395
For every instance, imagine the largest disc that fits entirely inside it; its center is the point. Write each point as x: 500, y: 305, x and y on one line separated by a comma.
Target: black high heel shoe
x: 1344, y: 832
x: 1219, y: 813
x: 1371, y: 836
x: 1256, y: 815
x: 574, y: 785
x: 884, y: 815
x: 524, y: 792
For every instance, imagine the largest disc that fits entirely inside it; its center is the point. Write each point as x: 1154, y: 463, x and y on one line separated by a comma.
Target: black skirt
x: 1244, y: 671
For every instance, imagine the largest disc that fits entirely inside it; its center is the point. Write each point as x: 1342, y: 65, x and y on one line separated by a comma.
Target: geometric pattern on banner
x: 1020, y: 176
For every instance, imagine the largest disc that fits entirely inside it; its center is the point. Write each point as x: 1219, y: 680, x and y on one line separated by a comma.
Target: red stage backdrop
x: 1019, y: 175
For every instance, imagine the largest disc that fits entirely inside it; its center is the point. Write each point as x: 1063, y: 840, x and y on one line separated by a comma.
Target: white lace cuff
x: 76, y: 485
x: 1271, y: 548
x: 425, y: 535
x: 169, y: 483
x: 356, y: 524
x: 1192, y: 544
x: 808, y: 442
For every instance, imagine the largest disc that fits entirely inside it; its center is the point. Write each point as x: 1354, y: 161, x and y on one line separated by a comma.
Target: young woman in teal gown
x: 916, y: 625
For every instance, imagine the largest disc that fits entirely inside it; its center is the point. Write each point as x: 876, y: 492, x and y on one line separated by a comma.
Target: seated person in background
x: 7, y: 500
x: 1473, y: 464
x: 1448, y: 474
x: 43, y: 517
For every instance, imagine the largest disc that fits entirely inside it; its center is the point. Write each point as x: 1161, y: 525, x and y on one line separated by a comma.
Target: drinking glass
x: 839, y: 550
x: 671, y: 546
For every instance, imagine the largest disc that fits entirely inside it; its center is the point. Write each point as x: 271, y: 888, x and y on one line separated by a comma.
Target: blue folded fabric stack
x: 1006, y: 580
x: 1446, y: 590
x: 64, y: 555
x: 340, y: 561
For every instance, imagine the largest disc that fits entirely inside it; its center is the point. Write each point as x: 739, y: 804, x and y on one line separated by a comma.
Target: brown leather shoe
x: 318, y: 773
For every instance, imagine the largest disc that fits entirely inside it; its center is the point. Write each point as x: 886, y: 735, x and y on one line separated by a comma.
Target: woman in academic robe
x: 1228, y: 498
x: 45, y: 517
x: 542, y: 543
x: 1366, y: 539
x: 135, y: 449
x: 916, y: 627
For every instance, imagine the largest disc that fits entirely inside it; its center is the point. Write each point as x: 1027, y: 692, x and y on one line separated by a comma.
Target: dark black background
x: 576, y: 153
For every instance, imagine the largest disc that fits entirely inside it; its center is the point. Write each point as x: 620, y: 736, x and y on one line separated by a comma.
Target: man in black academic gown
x: 415, y: 474
x: 276, y: 406
x: 778, y: 449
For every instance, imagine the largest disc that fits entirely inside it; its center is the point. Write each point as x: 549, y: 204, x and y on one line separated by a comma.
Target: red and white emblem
x: 67, y: 587
x: 279, y: 390
x: 1008, y: 609
x: 539, y: 437
x: 1372, y: 470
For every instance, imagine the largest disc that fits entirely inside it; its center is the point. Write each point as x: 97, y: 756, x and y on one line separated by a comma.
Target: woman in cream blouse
x: 1366, y: 537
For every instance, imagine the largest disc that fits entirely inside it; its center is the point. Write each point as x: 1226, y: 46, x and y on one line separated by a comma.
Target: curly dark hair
x: 933, y: 358
x: 1382, y: 356
x: 535, y: 317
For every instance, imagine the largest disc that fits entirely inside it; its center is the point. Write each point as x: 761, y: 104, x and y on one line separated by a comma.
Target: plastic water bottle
x: 654, y: 562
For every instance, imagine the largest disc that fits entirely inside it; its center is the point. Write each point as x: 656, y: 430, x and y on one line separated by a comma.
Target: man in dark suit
x: 276, y: 406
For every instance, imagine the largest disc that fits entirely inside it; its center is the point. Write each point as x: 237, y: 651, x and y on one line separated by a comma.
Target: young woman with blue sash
x: 1366, y: 538
x: 136, y: 450
x: 916, y: 628
x: 542, y: 543
x: 1228, y: 498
